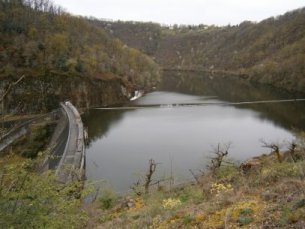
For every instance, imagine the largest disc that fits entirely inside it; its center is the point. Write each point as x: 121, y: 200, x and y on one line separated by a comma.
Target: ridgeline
x: 269, y: 52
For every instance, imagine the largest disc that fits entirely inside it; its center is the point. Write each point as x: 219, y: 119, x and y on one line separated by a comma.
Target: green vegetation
x: 38, y: 38
x: 32, y: 198
x: 107, y: 198
x: 41, y: 41
x: 40, y: 138
x: 28, y: 200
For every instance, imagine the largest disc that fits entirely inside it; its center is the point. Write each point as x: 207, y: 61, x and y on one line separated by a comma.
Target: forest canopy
x: 271, y: 51
x: 39, y: 38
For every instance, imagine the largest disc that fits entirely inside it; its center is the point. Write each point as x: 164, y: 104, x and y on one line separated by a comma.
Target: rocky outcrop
x: 41, y: 94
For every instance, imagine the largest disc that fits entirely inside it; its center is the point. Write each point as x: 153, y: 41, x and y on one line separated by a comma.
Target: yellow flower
x: 138, y: 204
x: 171, y: 203
x: 219, y: 188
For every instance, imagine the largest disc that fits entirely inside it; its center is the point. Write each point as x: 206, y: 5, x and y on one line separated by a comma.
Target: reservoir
x: 181, y: 123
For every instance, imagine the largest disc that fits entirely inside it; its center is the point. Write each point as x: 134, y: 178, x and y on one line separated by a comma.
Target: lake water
x: 180, y: 124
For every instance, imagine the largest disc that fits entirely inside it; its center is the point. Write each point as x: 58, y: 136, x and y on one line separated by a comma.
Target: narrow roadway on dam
x: 71, y: 165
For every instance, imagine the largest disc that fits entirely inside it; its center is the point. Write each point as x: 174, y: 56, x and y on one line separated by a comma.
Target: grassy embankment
x: 270, y: 194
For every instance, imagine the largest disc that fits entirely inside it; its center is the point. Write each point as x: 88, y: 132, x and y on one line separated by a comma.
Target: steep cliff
x: 41, y: 94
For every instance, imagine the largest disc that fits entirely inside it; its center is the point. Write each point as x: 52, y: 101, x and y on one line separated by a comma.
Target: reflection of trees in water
x: 99, y: 122
x: 288, y: 115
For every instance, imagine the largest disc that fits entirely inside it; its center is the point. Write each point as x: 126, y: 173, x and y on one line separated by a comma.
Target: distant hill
x: 140, y: 35
x: 271, y: 52
x: 40, y: 40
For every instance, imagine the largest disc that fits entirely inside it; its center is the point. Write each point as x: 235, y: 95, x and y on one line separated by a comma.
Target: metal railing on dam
x: 71, y: 165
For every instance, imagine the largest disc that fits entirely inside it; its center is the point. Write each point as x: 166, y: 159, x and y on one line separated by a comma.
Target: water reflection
x: 288, y: 115
x: 123, y: 141
x: 99, y: 123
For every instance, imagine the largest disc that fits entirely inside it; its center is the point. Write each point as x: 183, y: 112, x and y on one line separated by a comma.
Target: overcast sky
x: 218, y: 12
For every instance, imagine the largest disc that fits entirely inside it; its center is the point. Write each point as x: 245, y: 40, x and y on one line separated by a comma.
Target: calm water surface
x: 180, y: 130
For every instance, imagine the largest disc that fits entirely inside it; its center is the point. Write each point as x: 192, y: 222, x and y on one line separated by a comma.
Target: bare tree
x: 220, y: 153
x: 150, y: 172
x: 291, y: 151
x: 275, y: 149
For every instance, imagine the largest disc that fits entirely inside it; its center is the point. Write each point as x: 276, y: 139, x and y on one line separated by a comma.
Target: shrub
x: 107, y: 199
x: 227, y: 172
x: 28, y: 200
x: 279, y: 171
x: 245, y: 216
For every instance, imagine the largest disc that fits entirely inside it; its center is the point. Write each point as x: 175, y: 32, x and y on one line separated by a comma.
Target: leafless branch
x: 10, y: 86
x: 291, y: 149
x: 220, y: 153
x: 151, y: 170
x: 195, y: 176
x: 274, y: 147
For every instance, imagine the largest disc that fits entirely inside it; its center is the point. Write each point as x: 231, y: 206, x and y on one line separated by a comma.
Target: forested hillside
x: 272, y: 51
x: 43, y: 42
x: 140, y: 35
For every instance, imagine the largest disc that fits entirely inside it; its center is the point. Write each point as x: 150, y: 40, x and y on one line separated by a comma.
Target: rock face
x: 41, y: 94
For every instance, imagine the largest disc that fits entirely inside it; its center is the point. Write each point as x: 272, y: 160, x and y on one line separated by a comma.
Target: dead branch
x: 10, y: 86
x: 274, y: 147
x: 135, y: 188
x: 97, y: 191
x: 159, y: 181
x: 195, y: 176
x: 152, y: 169
x: 291, y: 149
x: 220, y: 153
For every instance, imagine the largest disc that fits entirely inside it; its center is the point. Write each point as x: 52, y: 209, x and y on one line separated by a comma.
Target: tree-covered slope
x: 38, y: 39
x: 144, y: 36
x: 272, y: 51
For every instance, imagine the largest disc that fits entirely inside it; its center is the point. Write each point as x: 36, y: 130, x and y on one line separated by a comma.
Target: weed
x: 187, y: 219
x: 245, y: 216
x: 279, y: 171
x: 107, y: 198
x: 227, y: 172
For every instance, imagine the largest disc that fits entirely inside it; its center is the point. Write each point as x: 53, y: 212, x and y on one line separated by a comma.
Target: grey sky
x: 219, y: 12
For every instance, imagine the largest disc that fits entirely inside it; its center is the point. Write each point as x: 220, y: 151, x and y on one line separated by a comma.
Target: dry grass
x: 271, y: 197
